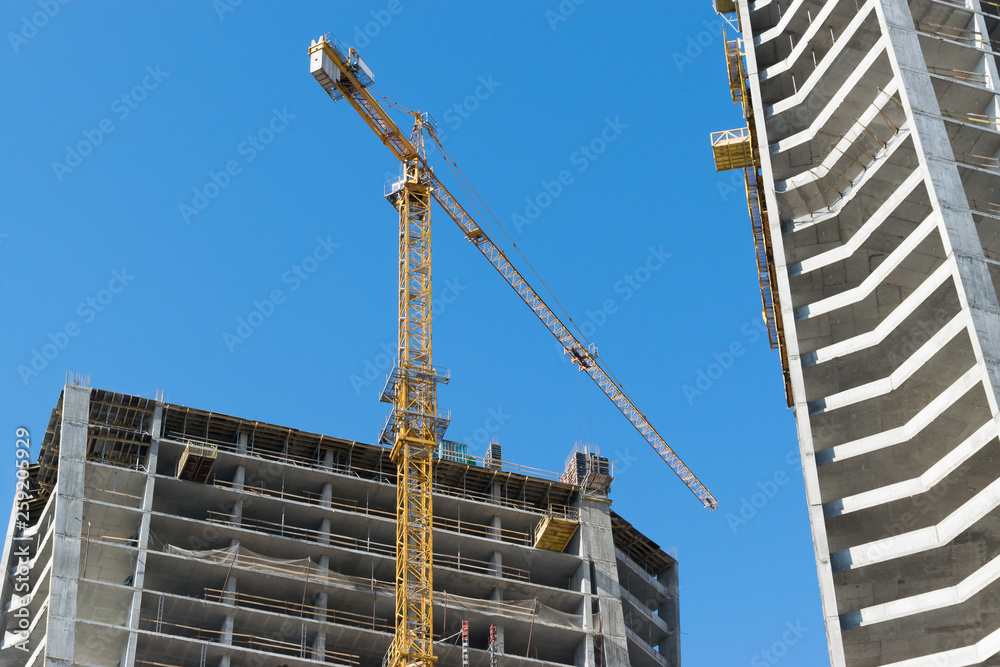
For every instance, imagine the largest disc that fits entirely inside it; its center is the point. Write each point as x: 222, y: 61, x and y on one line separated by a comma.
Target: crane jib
x: 531, y: 298
x: 341, y: 74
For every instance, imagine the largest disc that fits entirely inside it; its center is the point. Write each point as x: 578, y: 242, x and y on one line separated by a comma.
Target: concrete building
x: 871, y: 159
x: 157, y: 534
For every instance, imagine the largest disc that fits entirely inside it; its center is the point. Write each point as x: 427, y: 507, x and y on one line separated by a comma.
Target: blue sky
x: 170, y: 169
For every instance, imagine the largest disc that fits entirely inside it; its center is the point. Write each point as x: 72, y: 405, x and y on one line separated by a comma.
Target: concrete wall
x: 60, y: 642
x: 291, y: 559
x: 880, y: 148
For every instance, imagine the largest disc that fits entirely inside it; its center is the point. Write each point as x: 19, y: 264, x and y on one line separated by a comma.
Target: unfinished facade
x: 871, y: 163
x: 163, y: 535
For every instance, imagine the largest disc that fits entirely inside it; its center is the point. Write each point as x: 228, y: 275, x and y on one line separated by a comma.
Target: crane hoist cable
x: 460, y: 177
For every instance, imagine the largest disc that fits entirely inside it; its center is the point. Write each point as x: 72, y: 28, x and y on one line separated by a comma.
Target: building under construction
x: 870, y: 159
x: 156, y: 534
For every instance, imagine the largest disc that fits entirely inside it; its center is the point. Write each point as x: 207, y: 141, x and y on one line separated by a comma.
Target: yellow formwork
x: 732, y: 149
x: 554, y: 532
x: 197, y: 460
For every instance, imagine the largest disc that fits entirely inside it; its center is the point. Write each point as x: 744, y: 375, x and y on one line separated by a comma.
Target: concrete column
x: 128, y: 656
x: 226, y: 634
x: 670, y: 612
x: 61, y: 632
x: 945, y: 184
x: 988, y: 65
x: 581, y: 582
x: 496, y: 562
x: 597, y: 547
x: 327, y: 459
x: 226, y: 639
x: 326, y: 499
x: 239, y: 481
x: 319, y: 614
x: 496, y: 558
x: 241, y: 443
x: 239, y: 477
x: 237, y: 512
x: 229, y: 592
x: 324, y: 532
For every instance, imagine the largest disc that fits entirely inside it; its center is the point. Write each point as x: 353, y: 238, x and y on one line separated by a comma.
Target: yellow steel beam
x: 331, y: 65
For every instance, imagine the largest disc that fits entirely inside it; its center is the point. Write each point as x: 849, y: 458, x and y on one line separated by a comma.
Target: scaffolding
x: 738, y: 149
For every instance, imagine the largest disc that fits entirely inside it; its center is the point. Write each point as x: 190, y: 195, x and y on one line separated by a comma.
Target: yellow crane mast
x: 414, y: 426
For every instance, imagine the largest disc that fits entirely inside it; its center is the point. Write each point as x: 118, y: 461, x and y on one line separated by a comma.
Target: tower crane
x: 414, y: 426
